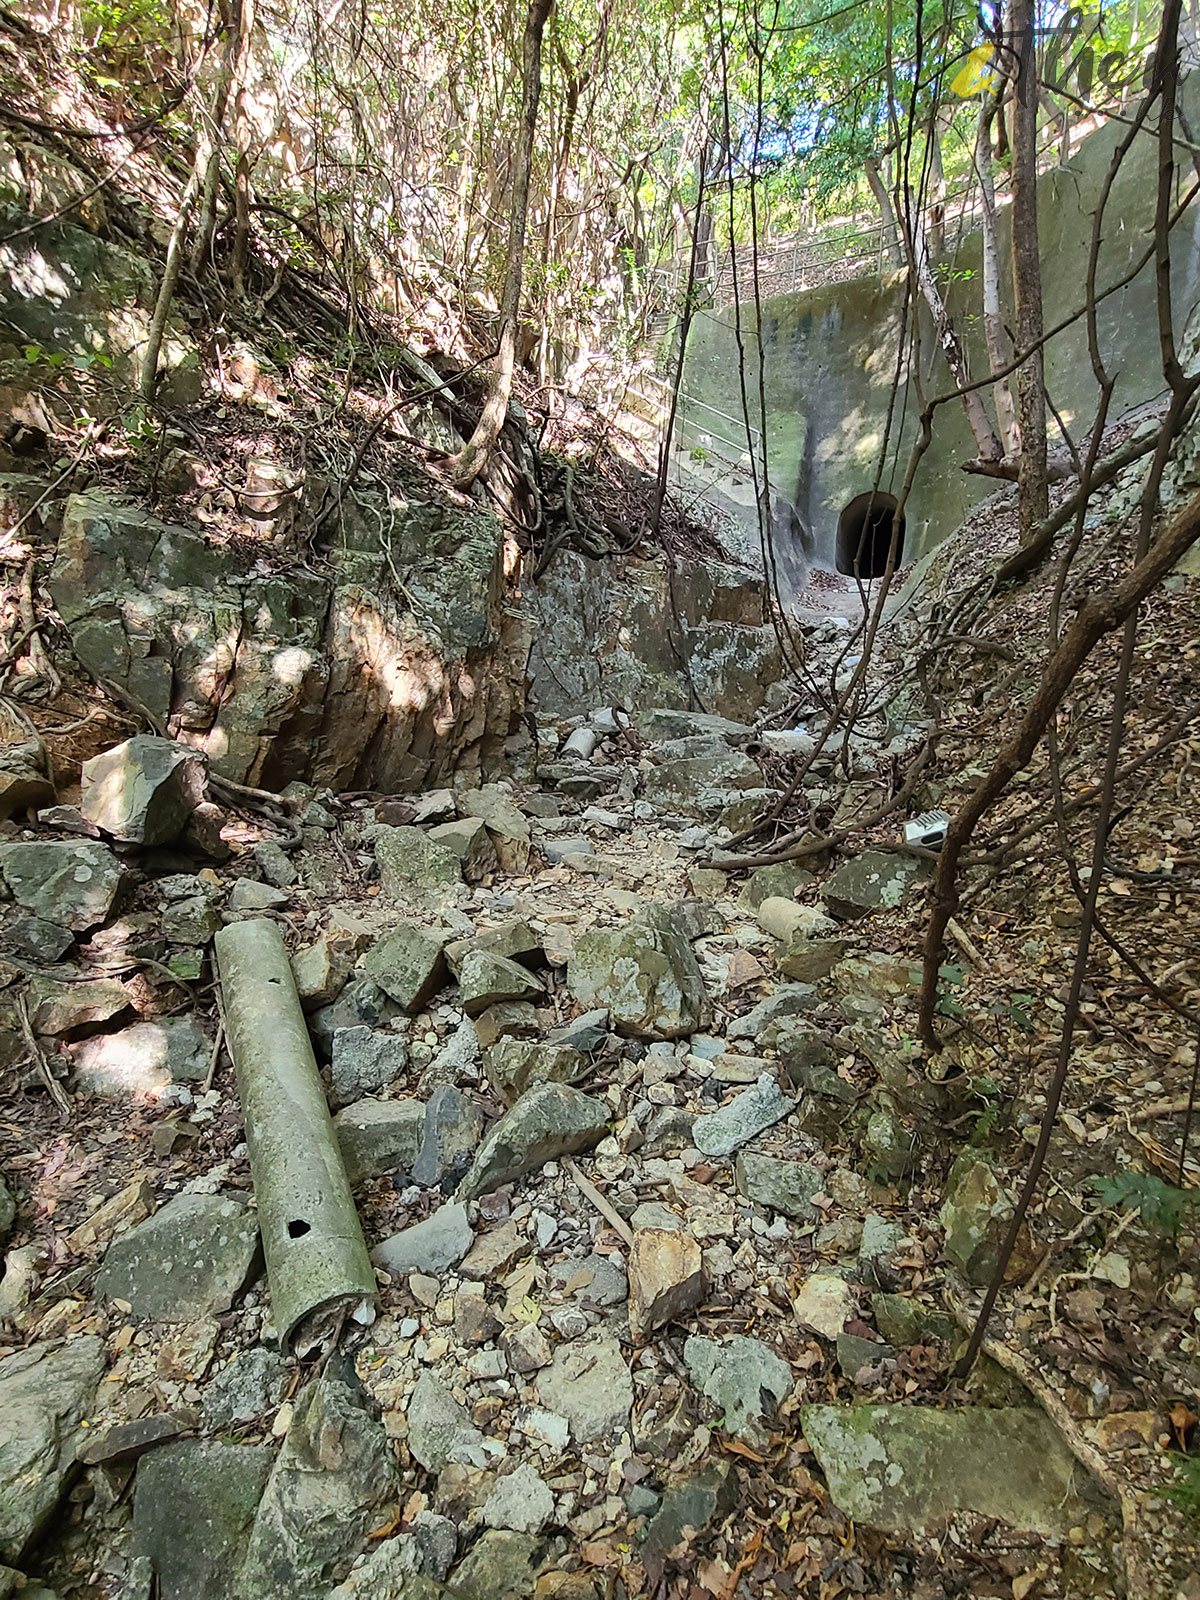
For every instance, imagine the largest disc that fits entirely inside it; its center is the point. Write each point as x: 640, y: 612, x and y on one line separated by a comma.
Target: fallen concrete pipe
x: 318, y: 1269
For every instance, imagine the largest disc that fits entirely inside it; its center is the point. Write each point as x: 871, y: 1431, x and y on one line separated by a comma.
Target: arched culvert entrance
x: 864, y: 535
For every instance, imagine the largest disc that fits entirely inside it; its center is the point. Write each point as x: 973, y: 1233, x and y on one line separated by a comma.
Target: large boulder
x: 72, y: 883
x: 906, y: 1468
x: 547, y: 1122
x: 194, y: 1504
x: 334, y: 1479
x: 143, y: 791
x: 877, y: 880
x: 45, y: 1393
x: 644, y: 974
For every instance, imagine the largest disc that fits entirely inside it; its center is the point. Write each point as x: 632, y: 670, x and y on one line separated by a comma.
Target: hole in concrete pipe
x: 297, y: 1229
x: 865, y: 533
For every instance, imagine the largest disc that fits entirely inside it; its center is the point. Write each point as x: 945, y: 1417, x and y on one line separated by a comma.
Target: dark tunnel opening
x: 864, y: 535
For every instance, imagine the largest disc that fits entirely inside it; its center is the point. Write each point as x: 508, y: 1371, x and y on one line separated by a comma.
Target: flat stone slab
x: 441, y: 1241
x: 877, y: 880
x: 589, y: 1384
x: 142, y: 1059
x: 905, y: 1468
x: 193, y: 1508
x: 744, y: 1377
x: 44, y: 1395
x: 747, y: 1115
x: 784, y: 1186
x: 547, y: 1122
x: 645, y: 974
x: 190, y: 1260
x: 379, y: 1136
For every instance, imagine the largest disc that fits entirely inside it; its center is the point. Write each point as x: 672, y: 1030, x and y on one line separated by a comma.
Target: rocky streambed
x: 636, y: 1150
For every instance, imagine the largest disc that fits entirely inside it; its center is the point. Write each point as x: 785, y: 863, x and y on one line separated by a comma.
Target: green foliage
x: 1162, y: 1206
x: 1185, y: 1491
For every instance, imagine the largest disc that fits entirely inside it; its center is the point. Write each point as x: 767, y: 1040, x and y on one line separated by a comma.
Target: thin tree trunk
x: 241, y: 134
x: 166, y: 289
x: 986, y: 441
x: 1033, y: 482
x: 211, y: 134
x: 465, y: 467
x: 891, y: 236
x: 999, y: 346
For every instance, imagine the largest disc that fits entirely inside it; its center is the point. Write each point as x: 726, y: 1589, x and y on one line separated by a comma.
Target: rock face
x: 73, y: 883
x: 875, y: 881
x: 193, y: 1508
x: 603, y: 635
x: 294, y: 675
x: 903, y: 1468
x: 644, y: 974
x: 44, y: 1395
x: 547, y: 1122
x: 144, y: 790
x: 334, y: 1478
x: 413, y: 867
x: 189, y: 1260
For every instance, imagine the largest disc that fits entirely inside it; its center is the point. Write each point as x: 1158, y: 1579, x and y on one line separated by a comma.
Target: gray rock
x: 361, y: 1004
x: 248, y: 894
x: 508, y: 828
x: 457, y: 1059
x: 486, y: 980
x: 63, y: 1008
x: 903, y: 1321
x: 441, y: 1241
x: 144, y: 790
x: 587, y: 1032
x: 321, y: 969
x: 37, y: 940
x: 142, y: 1059
x: 501, y: 1565
x: 379, y: 1136
x: 668, y: 1132
x: 595, y: 1279
x: 788, y: 1001
x: 784, y: 1186
x: 437, y: 1541
x: 976, y: 1215
x: 45, y: 1392
x: 190, y: 921
x: 333, y: 1480
x: 71, y: 882
x: 408, y: 966
x: 856, y: 1355
x: 768, y: 883
x: 875, y: 881
x: 438, y: 805
x: 880, y: 1238
x: 8, y: 1211
x: 439, y: 1429
x: 193, y: 1508
x: 589, y: 1384
x: 823, y: 1304
x: 547, y: 1122
x: 558, y: 848
x: 391, y: 1571
x: 516, y: 941
x: 471, y: 842
x: 453, y: 1126
x: 413, y: 867
x: 747, y: 1115
x: 243, y: 1391
x: 906, y: 1468
x: 364, y: 1060
x: 191, y: 1259
x: 696, y: 1504
x: 645, y: 974
x: 521, y: 1501
x: 743, y: 1377
x: 664, y: 723
x: 276, y: 866
x: 515, y: 1065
